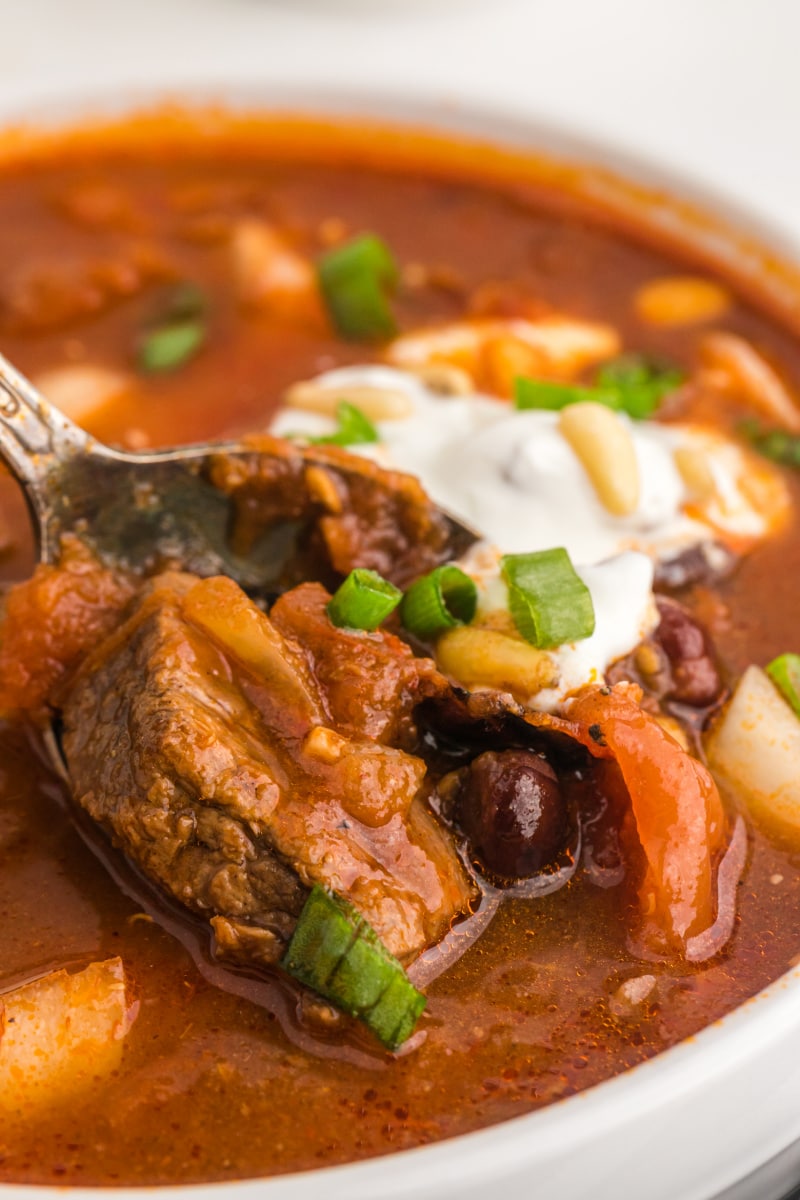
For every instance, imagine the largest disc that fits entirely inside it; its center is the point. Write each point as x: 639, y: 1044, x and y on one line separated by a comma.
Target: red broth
x: 223, y: 1082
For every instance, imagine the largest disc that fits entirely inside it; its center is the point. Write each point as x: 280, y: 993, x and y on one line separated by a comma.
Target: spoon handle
x: 34, y: 435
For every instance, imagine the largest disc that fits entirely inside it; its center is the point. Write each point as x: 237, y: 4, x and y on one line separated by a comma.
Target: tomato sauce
x: 225, y: 1082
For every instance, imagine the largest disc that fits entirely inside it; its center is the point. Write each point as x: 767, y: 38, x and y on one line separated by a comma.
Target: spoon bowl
x: 136, y: 511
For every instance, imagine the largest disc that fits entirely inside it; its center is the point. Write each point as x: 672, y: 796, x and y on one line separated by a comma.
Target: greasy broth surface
x: 523, y: 1018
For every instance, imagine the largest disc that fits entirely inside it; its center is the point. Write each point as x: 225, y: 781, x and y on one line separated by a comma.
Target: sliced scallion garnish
x: 549, y: 603
x: 440, y: 600
x: 356, y: 280
x: 336, y: 952
x: 775, y: 444
x: 179, y: 330
x: 544, y: 394
x: 170, y: 346
x: 363, y: 600
x: 354, y: 428
x: 185, y: 300
x: 784, y: 671
x: 640, y: 382
x: 633, y: 384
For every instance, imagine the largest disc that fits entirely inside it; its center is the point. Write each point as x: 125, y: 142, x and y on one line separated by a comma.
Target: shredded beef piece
x: 353, y: 513
x: 235, y: 775
x: 372, y: 683
x: 55, y: 294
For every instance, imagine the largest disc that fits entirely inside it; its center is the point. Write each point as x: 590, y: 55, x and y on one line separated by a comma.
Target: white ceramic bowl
x: 719, y: 1114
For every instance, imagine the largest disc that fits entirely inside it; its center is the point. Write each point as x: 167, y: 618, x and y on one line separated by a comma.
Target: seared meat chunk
x: 371, y: 683
x: 351, y: 512
x: 216, y: 755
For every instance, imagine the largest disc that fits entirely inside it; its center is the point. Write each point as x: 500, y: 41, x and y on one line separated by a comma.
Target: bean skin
x: 695, y: 678
x: 513, y: 813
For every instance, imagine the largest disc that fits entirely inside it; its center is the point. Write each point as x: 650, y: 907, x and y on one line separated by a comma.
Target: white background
x: 710, y: 87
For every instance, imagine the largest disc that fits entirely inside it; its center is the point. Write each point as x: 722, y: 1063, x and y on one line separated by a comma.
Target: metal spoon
x: 134, y: 509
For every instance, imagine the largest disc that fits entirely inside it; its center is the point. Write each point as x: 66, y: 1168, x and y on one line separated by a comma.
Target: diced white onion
x: 754, y: 752
x: 80, y: 389
x: 60, y: 1033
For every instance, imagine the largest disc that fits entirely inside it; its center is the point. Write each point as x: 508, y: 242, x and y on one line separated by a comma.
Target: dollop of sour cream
x: 513, y: 476
x: 625, y: 613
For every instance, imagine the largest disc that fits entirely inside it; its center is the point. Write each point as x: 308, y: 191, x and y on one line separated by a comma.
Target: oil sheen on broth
x: 555, y: 995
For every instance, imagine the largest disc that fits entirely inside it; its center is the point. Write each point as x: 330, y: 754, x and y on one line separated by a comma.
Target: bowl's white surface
x: 709, y: 92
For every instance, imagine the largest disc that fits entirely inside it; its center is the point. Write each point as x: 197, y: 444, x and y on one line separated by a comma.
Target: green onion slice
x: 356, y: 280
x: 185, y: 300
x: 542, y: 393
x: 440, y: 600
x: 354, y: 428
x: 640, y: 382
x: 549, y: 603
x: 170, y: 346
x: 335, y: 952
x: 363, y: 600
x: 775, y: 444
x: 784, y: 671
x: 633, y: 384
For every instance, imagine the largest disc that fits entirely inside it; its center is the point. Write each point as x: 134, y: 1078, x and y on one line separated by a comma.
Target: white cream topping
x: 514, y: 477
x: 624, y: 609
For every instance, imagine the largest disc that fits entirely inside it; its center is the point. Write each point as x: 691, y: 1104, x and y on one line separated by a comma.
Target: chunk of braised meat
x: 371, y: 682
x: 513, y: 813
x: 352, y: 513
x: 201, y: 739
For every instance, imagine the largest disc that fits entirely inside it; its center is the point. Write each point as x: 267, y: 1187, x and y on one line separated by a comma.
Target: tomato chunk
x: 679, y: 816
x: 51, y: 621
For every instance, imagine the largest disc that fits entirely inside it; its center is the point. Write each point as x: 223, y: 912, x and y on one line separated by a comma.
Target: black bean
x: 706, y: 563
x: 513, y: 813
x: 695, y: 678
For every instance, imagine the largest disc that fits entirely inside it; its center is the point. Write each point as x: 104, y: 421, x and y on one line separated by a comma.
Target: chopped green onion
x: 543, y: 393
x: 549, y: 603
x: 185, y: 300
x: 363, y: 600
x: 784, y: 671
x: 641, y: 383
x: 632, y: 384
x: 335, y: 952
x: 170, y: 346
x: 440, y: 600
x: 178, y: 333
x: 356, y: 280
x: 774, y: 444
x: 355, y: 428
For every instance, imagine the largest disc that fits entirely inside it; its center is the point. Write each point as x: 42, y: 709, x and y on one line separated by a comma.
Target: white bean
x: 604, y: 445
x: 485, y: 658
x: 377, y: 404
